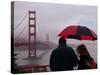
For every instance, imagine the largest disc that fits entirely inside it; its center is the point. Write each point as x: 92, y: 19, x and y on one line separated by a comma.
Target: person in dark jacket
x: 86, y: 61
x: 63, y: 57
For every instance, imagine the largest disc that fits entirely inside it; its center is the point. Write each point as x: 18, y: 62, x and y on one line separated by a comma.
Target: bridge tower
x: 32, y: 33
x: 47, y: 39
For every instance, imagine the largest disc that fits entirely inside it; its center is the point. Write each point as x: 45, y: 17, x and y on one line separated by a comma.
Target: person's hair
x: 82, y: 50
x: 62, y: 40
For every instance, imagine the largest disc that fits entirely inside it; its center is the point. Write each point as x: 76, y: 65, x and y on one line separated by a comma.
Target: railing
x: 32, y: 68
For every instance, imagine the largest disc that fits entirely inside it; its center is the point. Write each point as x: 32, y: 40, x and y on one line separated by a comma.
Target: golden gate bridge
x: 31, y: 33
x: 31, y: 44
x: 31, y: 25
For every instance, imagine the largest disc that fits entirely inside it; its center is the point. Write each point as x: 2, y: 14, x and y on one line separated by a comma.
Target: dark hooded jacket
x: 63, y: 58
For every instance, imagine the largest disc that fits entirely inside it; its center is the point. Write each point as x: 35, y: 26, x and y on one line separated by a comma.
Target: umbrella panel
x: 78, y: 32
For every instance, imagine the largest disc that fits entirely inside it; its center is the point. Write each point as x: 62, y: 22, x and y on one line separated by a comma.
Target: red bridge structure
x: 31, y: 44
x: 32, y: 26
x: 31, y: 34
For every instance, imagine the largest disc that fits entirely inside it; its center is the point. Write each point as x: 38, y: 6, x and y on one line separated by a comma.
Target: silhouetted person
x: 86, y: 61
x: 63, y: 57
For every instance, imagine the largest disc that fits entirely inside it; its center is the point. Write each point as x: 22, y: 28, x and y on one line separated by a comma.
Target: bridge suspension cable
x: 21, y: 32
x: 18, y: 25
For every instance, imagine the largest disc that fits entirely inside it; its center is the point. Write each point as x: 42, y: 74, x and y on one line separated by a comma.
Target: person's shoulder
x: 90, y: 58
x: 54, y: 49
x: 69, y: 47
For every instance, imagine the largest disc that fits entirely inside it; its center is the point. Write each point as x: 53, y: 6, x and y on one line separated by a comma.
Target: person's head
x: 62, y: 41
x: 82, y: 50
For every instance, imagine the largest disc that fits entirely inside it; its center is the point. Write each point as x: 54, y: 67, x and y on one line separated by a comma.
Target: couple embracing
x: 64, y: 58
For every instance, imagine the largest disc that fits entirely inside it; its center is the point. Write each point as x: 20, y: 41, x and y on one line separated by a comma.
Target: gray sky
x: 53, y: 18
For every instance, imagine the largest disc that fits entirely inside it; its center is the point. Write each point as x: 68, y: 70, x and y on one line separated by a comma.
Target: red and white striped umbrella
x: 78, y: 32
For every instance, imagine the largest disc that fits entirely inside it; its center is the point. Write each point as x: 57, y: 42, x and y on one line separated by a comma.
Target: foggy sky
x: 51, y: 19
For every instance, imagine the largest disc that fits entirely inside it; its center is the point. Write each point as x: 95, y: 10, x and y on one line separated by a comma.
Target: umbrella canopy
x: 78, y: 32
